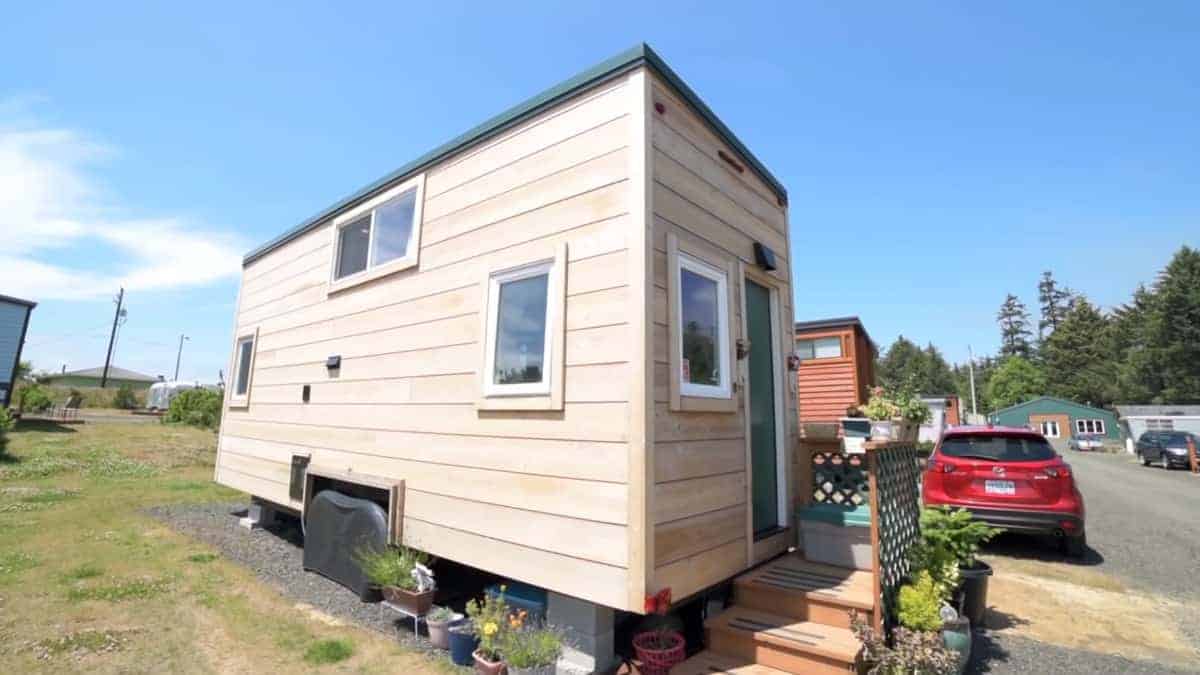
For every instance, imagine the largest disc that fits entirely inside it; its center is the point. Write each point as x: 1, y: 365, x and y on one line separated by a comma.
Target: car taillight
x: 940, y: 467
x: 1063, y: 471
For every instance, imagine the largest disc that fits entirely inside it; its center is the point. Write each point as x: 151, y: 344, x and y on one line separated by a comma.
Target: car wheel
x: 1075, y: 546
x: 1145, y: 459
x: 1164, y: 462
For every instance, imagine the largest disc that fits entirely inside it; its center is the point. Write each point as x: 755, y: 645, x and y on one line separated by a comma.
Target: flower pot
x: 462, y: 644
x: 906, y: 431
x: 975, y: 585
x: 485, y: 667
x: 439, y: 631
x: 411, y: 602
x: 658, y: 658
x: 956, y: 635
x: 881, y: 430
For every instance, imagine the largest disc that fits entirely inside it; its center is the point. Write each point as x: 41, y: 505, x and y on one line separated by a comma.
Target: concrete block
x: 258, y: 515
x: 589, y: 632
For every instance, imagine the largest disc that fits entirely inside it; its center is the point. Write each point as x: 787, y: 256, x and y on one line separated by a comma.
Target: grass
x: 328, y: 651
x: 89, y: 582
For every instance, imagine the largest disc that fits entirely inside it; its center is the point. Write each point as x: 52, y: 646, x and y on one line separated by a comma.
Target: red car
x: 1010, y: 478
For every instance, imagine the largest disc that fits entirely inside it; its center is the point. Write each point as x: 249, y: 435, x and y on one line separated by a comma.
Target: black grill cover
x: 335, y: 527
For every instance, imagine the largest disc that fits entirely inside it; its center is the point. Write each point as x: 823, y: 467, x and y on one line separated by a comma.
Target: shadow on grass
x: 1044, y: 549
x: 44, y: 426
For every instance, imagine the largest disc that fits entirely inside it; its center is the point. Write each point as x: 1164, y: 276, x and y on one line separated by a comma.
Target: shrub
x: 392, y: 566
x: 196, y: 407
x: 910, y: 651
x: 531, y: 647
x: 6, y: 425
x: 124, y: 398
x: 949, y: 534
x: 920, y: 604
x: 34, y: 399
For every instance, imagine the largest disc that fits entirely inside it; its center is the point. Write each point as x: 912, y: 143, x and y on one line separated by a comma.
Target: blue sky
x: 938, y: 155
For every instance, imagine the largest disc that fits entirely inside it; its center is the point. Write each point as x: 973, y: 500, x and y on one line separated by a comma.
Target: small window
x: 703, y: 329
x: 1089, y: 426
x: 243, y: 369
x: 379, y: 236
x: 519, y: 331
x: 819, y: 348
x: 1050, y: 428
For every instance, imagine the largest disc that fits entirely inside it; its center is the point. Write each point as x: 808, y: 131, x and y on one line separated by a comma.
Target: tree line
x: 1146, y: 350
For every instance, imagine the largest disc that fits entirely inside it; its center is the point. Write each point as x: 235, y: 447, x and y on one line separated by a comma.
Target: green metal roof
x: 640, y: 55
x: 1060, y: 401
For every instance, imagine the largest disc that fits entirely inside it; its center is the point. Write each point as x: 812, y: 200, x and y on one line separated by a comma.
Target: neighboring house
x: 91, y: 377
x: 837, y: 367
x: 539, y: 328
x: 1135, y: 420
x: 945, y: 411
x: 1057, y: 419
x: 14, y: 323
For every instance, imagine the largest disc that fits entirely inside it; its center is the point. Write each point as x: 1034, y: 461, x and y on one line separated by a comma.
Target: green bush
x: 35, y: 399
x: 392, y: 566
x: 124, y: 398
x: 196, y: 407
x: 6, y: 425
x: 920, y: 604
x: 949, y: 534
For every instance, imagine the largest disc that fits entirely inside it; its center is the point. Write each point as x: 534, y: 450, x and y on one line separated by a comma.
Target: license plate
x: 1000, y: 487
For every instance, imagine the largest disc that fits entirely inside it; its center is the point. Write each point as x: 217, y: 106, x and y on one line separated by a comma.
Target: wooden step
x: 710, y: 663
x: 806, y: 591
x: 782, y: 643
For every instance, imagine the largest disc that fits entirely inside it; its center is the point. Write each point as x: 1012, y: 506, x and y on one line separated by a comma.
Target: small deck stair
x: 788, y: 616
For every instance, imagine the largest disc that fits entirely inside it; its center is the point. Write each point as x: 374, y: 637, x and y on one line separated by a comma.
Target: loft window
x: 380, y: 236
x: 519, y: 331
x: 702, y: 329
x: 819, y: 348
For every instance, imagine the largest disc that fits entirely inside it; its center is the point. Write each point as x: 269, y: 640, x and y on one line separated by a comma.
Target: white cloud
x: 52, y: 205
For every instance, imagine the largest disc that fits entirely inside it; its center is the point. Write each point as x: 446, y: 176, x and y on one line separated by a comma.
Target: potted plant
x: 532, y: 650
x: 490, y: 622
x: 659, y: 650
x: 911, y: 651
x: 402, y: 575
x: 880, y: 409
x: 438, y: 620
x: 896, y: 414
x: 947, y: 546
x: 463, y: 643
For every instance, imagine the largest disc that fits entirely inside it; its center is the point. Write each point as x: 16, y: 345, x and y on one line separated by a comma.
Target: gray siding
x: 12, y: 323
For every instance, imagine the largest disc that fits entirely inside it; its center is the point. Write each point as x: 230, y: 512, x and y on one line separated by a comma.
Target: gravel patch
x: 997, y: 654
x: 275, y: 555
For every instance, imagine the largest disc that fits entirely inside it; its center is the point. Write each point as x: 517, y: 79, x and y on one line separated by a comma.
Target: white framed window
x: 819, y: 348
x: 523, y: 335
x: 702, y: 328
x: 379, y: 236
x: 1089, y: 426
x: 1050, y: 428
x: 242, y: 372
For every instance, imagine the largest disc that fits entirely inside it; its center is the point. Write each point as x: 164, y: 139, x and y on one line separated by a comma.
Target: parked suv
x: 1164, y: 448
x: 1007, y: 477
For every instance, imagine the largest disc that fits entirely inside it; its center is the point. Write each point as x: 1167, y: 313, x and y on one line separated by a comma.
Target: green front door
x: 764, y: 465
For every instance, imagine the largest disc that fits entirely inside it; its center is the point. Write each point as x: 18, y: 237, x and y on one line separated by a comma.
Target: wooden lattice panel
x: 840, y: 479
x: 895, y: 512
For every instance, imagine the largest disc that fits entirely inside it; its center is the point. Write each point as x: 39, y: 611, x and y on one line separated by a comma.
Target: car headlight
x: 1177, y: 451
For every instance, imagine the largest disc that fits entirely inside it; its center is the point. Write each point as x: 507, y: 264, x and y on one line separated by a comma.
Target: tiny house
x: 14, y: 324
x: 563, y: 335
x: 837, y: 367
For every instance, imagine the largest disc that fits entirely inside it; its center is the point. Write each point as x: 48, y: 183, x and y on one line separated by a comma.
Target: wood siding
x: 542, y: 496
x: 699, y: 504
x: 828, y: 386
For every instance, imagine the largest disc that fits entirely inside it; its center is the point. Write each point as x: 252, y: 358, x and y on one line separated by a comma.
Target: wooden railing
x: 893, y: 476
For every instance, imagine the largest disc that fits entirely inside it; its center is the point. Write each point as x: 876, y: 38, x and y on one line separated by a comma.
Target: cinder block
x: 589, y: 632
x: 258, y: 515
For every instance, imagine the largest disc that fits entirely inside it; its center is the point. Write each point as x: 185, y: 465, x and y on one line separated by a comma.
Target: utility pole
x: 112, y: 338
x: 971, y: 369
x: 179, y: 355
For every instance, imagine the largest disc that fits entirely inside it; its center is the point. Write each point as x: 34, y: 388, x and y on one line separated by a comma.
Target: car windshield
x: 998, y: 448
x: 1178, y: 438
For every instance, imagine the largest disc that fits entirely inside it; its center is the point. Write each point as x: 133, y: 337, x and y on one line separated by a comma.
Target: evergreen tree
x: 1014, y: 328
x: 1174, y: 328
x: 937, y: 378
x: 901, y: 363
x: 1055, y: 302
x: 1015, y: 380
x: 1076, y: 357
x: 1127, y: 342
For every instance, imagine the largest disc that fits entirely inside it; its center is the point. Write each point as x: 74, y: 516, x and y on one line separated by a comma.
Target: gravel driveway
x: 1143, y: 530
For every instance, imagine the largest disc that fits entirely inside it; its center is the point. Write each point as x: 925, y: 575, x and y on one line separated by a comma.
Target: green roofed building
x: 91, y: 377
x: 1058, y: 418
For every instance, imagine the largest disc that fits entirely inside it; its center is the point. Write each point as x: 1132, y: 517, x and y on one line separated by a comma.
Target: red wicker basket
x: 654, y: 659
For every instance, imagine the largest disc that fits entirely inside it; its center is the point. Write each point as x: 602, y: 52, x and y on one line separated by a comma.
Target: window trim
x: 544, y: 395
x: 412, y: 255
x: 703, y: 260
x: 841, y: 347
x: 1044, y: 426
x: 1097, y: 426
x: 237, y: 400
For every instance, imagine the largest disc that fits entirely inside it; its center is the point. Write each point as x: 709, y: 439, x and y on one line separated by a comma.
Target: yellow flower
x: 490, y: 628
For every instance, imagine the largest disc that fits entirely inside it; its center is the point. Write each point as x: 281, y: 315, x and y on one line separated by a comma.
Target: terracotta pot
x: 485, y: 667
x: 439, y: 631
x: 409, y: 601
x: 654, y: 657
